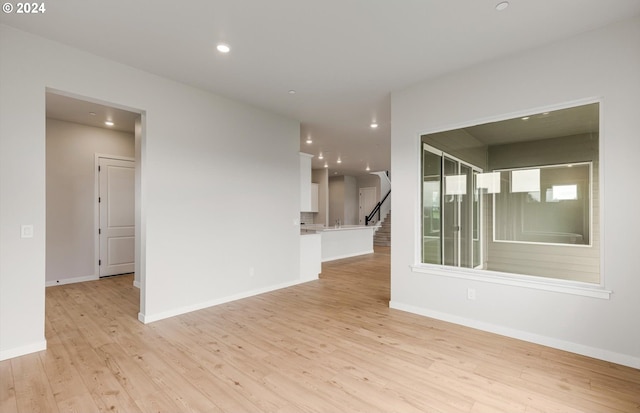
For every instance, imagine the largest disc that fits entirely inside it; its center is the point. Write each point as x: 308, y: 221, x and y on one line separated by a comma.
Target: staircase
x: 382, y: 236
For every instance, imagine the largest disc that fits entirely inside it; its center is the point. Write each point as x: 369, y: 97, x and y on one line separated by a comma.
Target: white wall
x: 336, y: 199
x: 351, y: 201
x: 343, y: 200
x: 602, y: 64
x: 70, y: 200
x: 368, y: 181
x: 199, y: 187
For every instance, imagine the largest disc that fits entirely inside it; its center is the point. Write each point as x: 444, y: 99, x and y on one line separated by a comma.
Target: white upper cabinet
x: 305, y: 182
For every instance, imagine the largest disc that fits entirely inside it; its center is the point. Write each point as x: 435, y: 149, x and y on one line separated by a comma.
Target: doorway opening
x: 367, y: 201
x: 83, y: 137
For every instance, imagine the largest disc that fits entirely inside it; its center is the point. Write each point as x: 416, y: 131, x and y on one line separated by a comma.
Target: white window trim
x: 589, y: 245
x: 511, y: 279
x: 516, y: 280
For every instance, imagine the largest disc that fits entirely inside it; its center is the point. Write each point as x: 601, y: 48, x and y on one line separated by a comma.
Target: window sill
x: 516, y: 280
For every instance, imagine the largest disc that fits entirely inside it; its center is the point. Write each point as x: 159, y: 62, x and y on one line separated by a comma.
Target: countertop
x: 310, y: 228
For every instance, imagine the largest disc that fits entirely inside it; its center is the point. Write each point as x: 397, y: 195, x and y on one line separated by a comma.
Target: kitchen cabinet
x: 345, y: 241
x: 305, y: 182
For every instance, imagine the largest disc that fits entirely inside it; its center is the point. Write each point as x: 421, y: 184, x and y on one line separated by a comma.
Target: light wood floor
x: 331, y: 345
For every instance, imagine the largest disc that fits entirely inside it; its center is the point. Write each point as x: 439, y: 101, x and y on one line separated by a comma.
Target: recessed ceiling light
x: 108, y: 123
x: 374, y: 125
x: 502, y: 5
x: 292, y: 92
x: 309, y: 141
x: 339, y: 160
x: 367, y: 168
x: 320, y: 156
x: 326, y: 165
x: 223, y: 48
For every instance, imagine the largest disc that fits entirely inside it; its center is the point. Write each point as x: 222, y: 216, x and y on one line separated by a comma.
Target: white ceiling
x: 576, y: 120
x: 343, y: 57
x: 89, y: 113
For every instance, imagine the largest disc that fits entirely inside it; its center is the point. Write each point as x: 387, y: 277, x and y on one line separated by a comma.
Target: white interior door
x: 117, y: 216
x: 368, y: 201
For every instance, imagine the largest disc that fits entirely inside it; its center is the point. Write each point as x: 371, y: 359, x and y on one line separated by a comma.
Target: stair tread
x: 382, y: 235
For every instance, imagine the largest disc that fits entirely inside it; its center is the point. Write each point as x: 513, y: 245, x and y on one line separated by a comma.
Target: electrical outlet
x: 26, y: 231
x: 471, y: 293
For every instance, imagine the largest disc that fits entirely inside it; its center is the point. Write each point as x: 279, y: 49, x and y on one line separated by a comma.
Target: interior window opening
x: 518, y: 196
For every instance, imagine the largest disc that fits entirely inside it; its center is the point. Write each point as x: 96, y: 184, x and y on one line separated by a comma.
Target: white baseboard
x: 340, y: 257
x: 601, y: 354
x: 23, y: 350
x: 306, y: 279
x: 73, y: 280
x: 150, y: 318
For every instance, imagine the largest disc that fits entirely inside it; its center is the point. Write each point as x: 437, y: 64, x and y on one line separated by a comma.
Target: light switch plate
x: 26, y: 231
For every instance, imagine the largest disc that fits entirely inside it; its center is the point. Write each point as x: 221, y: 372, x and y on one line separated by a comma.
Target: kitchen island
x: 346, y: 241
x: 321, y: 244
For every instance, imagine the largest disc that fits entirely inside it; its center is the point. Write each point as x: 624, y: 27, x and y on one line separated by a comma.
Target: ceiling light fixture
x: 92, y: 113
x: 223, y: 48
x: 502, y: 5
x: 326, y: 165
x: 109, y: 123
x: 309, y: 141
x: 320, y: 156
x: 339, y: 160
x: 292, y: 92
x: 367, y: 168
x: 374, y: 125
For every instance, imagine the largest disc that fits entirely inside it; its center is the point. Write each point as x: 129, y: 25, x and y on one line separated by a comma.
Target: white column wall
x: 203, y: 240
x: 139, y: 267
x: 350, y: 201
x: 336, y: 200
x: 603, y: 64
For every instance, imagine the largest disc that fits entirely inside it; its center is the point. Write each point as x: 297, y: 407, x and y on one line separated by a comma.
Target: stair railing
x: 376, y: 210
